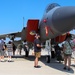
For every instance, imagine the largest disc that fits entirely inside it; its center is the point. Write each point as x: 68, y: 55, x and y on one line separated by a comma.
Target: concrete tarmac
x: 24, y: 66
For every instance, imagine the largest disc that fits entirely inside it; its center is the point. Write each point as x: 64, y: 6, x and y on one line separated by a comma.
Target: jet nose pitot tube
x: 63, y: 19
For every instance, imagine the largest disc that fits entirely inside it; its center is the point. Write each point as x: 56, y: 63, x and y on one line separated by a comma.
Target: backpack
x: 68, y: 48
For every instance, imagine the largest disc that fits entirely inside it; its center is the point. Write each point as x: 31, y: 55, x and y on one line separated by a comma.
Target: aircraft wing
x: 10, y: 35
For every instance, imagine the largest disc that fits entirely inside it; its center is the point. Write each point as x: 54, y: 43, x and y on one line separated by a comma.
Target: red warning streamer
x: 47, y: 30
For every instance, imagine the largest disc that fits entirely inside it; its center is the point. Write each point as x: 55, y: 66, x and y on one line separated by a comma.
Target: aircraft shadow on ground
x: 53, y: 63
x: 30, y: 57
x: 56, y: 65
x: 18, y: 56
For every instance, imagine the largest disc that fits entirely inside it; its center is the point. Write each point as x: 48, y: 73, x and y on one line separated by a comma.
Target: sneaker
x: 34, y: 66
x: 37, y: 66
x: 64, y: 68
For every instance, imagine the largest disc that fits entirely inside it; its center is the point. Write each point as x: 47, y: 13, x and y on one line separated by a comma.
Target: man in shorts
x: 37, y: 50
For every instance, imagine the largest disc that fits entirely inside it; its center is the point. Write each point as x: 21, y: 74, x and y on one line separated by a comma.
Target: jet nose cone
x: 63, y: 19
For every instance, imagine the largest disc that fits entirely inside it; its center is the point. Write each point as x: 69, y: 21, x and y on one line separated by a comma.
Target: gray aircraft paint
x: 59, y: 19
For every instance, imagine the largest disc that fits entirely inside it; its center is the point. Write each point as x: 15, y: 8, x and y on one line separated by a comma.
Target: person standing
x: 14, y: 48
x: 26, y: 48
x: 67, y: 53
x: 10, y: 50
x: 58, y: 53
x: 2, y: 50
x: 73, y: 47
x: 37, y: 50
x: 19, y: 48
x: 5, y: 49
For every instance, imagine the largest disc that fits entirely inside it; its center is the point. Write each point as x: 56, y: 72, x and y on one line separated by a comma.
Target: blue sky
x: 13, y: 11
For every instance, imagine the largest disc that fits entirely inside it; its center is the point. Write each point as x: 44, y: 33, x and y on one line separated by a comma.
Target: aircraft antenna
x: 23, y: 22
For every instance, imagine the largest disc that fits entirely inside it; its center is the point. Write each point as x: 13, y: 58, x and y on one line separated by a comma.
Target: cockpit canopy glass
x: 51, y: 6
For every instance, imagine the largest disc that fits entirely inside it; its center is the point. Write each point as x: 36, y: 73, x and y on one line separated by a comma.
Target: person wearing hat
x: 37, y: 50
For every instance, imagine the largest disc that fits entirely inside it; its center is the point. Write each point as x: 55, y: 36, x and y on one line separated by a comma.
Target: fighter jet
x: 55, y: 23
